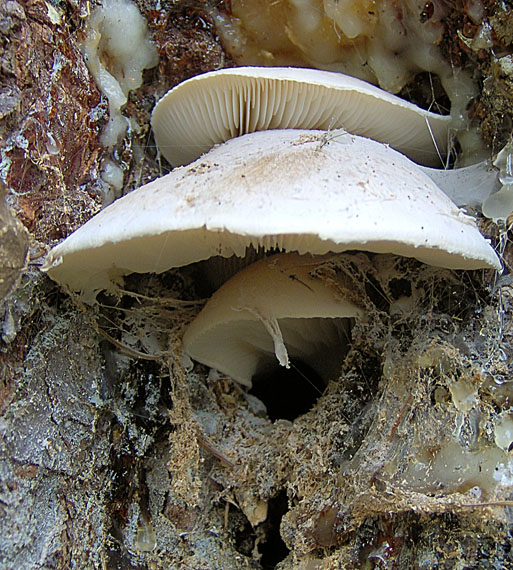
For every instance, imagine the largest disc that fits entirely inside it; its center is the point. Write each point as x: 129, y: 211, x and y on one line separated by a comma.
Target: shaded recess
x: 273, y: 549
x: 288, y: 393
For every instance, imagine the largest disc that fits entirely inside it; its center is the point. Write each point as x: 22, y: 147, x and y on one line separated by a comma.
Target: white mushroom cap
x: 304, y: 191
x: 273, y: 309
x: 214, y: 107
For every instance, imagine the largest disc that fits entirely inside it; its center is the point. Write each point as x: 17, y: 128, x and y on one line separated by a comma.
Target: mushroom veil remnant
x: 308, y: 192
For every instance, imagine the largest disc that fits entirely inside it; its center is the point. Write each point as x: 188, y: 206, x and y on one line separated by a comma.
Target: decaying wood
x: 109, y: 460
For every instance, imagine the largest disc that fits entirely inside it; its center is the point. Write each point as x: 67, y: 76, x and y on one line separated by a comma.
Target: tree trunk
x: 109, y: 460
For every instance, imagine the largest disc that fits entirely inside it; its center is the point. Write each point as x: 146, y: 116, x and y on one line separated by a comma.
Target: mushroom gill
x: 211, y: 108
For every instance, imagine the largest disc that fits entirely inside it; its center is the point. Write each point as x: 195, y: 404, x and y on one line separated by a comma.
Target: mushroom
x: 308, y: 192
x: 275, y: 309
x: 214, y: 107
x: 305, y: 191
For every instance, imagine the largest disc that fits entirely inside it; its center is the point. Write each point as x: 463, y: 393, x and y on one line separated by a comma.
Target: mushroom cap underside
x: 286, y: 190
x: 216, y: 106
x: 277, y: 309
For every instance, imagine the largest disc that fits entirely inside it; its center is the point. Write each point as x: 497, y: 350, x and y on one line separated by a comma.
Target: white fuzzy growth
x: 124, y: 48
x: 504, y: 474
x: 503, y: 431
x: 117, y: 49
x: 459, y: 469
x: 112, y: 175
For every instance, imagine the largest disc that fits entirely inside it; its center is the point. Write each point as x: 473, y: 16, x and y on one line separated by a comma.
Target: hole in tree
x: 400, y: 288
x: 274, y: 550
x: 376, y: 293
x: 288, y: 392
x: 426, y: 90
x: 316, y: 349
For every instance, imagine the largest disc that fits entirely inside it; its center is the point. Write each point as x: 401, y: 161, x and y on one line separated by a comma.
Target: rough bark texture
x: 112, y: 461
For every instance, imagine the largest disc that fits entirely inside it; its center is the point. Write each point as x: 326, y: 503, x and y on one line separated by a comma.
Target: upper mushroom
x: 214, y: 107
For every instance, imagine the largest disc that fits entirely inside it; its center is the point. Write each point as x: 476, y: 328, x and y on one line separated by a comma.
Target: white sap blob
x: 117, y: 49
x: 503, y: 430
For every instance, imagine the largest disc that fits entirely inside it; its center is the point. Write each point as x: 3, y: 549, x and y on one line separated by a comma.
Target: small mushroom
x: 274, y: 309
x: 288, y: 190
x: 214, y: 107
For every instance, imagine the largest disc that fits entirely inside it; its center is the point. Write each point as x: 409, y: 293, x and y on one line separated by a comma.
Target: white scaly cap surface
x: 305, y: 191
x: 216, y: 106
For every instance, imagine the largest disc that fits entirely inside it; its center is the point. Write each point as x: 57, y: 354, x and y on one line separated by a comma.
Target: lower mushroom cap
x: 273, y: 311
x: 305, y: 191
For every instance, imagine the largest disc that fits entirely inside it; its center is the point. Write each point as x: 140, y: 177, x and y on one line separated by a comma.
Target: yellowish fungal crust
x: 385, y: 42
